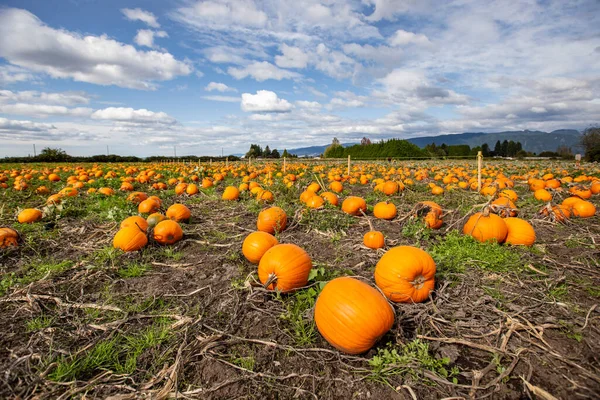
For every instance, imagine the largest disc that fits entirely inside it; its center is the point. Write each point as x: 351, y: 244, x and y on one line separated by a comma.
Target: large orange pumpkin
x: 130, y: 238
x: 583, y: 209
x: 351, y: 315
x: 256, y: 245
x: 271, y: 220
x: 29, y: 215
x: 148, y: 206
x: 385, y: 210
x: 520, y: 232
x: 167, y: 232
x: 231, y: 193
x: 353, y: 205
x: 179, y: 213
x: 8, y: 237
x: 284, y: 267
x: 405, y: 274
x: 486, y: 227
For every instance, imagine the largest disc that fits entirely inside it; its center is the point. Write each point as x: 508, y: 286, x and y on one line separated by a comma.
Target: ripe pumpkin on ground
x: 271, y: 220
x: 486, y: 227
x: 520, y: 232
x: 167, y: 232
x: 231, y: 193
x: 426, y: 206
x: 136, y: 220
x: 331, y: 198
x: 374, y: 240
x: 583, y: 209
x: 284, y: 267
x: 130, y: 238
x: 504, y: 207
x: 8, y: 237
x: 433, y: 221
x: 30, y: 215
x: 148, y: 206
x: 351, y: 315
x: 406, y: 274
x: 353, y: 205
x: 256, y: 245
x: 558, y: 213
x: 154, y: 219
x: 315, y: 201
x: 179, y: 212
x: 385, y: 210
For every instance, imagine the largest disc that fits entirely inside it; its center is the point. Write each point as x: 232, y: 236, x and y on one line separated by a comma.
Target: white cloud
x: 226, y: 99
x: 337, y: 103
x: 125, y: 114
x: 261, y: 71
x: 403, y: 38
x: 264, y: 101
x: 222, y: 14
x: 42, y: 110
x: 14, y: 125
x: 10, y: 74
x: 145, y: 37
x: 333, y: 63
x: 30, y: 96
x: 137, y: 14
x: 219, y: 87
x: 25, y: 41
x: 310, y: 105
x: 292, y: 57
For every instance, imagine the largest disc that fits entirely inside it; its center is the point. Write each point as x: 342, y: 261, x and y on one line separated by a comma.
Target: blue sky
x: 202, y: 75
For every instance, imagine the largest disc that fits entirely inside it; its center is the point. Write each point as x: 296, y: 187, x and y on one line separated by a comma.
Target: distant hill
x: 533, y: 141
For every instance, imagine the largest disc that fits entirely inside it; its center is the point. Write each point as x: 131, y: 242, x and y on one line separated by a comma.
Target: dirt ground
x: 530, y: 330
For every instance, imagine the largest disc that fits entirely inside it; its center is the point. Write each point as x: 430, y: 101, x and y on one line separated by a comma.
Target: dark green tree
x: 267, y: 152
x: 485, y: 150
x: 275, y: 154
x: 590, y: 140
x: 49, y: 154
x: 504, y: 151
x: 498, y: 149
x: 285, y: 153
x: 255, y: 151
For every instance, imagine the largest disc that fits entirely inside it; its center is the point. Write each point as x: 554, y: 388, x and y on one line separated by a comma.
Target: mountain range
x: 532, y: 141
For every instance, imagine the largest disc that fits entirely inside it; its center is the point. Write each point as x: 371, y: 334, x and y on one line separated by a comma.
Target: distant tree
x: 485, y: 150
x: 590, y: 141
x: 255, y: 151
x: 498, y: 149
x: 285, y: 153
x: 521, y: 154
x: 267, y: 152
x: 275, y: 154
x: 335, y: 141
x: 565, y: 152
x: 504, y: 147
x: 51, y: 155
x: 335, y: 149
x: 365, y: 141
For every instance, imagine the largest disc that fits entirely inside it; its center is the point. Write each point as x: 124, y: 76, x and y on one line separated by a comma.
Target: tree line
x: 382, y: 149
x: 257, y: 151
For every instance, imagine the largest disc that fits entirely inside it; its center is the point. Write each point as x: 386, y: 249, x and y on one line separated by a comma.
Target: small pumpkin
x: 520, y: 232
x: 542, y: 195
x: 351, y: 315
x: 374, y: 240
x: 271, y: 220
x: 8, y: 237
x: 256, y: 245
x: 390, y: 187
x: 284, y: 267
x: 385, y: 210
x: 331, y: 198
x: 137, y: 197
x: 484, y: 226
x: 167, y: 232
x: 315, y: 201
x: 30, y: 215
x: 353, y: 205
x: 179, y: 212
x: 583, y: 209
x: 154, y: 219
x: 336, y: 187
x: 231, y: 193
x: 130, y: 238
x: 406, y: 274
x: 148, y: 206
x: 135, y: 221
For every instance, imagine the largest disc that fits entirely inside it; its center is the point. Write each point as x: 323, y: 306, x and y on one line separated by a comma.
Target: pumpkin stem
x: 271, y: 279
x: 418, y: 282
x: 367, y: 218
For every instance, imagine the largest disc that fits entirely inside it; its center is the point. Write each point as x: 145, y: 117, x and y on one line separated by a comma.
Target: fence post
x: 249, y: 161
x: 348, y: 164
x: 227, y: 162
x: 479, y: 163
x: 284, y: 165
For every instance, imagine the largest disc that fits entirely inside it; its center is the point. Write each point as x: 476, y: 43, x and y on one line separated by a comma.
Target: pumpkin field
x: 310, y: 279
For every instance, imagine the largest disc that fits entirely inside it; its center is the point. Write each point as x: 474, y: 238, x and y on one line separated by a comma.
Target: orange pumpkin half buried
x: 284, y: 267
x: 351, y: 315
x: 405, y: 274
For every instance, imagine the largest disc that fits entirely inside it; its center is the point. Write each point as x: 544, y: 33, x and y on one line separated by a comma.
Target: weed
x: 133, y: 270
x: 456, y: 252
x: 408, y: 359
x: 327, y: 219
x: 559, y: 292
x: 245, y: 362
x: 416, y: 229
x: 39, y: 323
x: 171, y: 253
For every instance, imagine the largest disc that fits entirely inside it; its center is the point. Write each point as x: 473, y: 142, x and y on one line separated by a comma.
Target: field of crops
x: 397, y: 281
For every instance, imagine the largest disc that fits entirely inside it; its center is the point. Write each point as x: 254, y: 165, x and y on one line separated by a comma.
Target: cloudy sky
x: 206, y: 75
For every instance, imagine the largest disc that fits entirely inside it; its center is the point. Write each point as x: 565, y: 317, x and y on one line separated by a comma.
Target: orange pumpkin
x: 135, y: 221
x: 504, y: 207
x: 315, y: 201
x: 406, y: 274
x: 583, y: 209
x: 336, y: 187
x: 231, y: 193
x: 130, y: 238
x: 29, y: 215
x: 542, y: 195
x: 520, y: 232
x: 581, y: 192
x: 374, y: 240
x: 154, y: 219
x: 148, y: 206
x: 271, y: 220
x: 353, y: 205
x: 167, y: 232
x: 485, y: 226
x: 557, y: 213
x: 8, y: 237
x: 433, y: 221
x: 351, y: 315
x: 137, y: 197
x: 284, y: 267
x: 256, y: 245
x: 331, y: 198
x: 385, y: 210
x: 427, y: 206
x: 179, y: 212
x: 390, y: 188
x: 192, y: 189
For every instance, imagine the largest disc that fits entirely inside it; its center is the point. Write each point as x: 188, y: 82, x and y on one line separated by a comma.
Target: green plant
x: 39, y: 323
x: 416, y: 229
x: 409, y: 359
x: 133, y: 270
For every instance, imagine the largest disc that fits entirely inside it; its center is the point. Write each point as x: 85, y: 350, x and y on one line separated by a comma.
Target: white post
x: 348, y: 164
x: 284, y: 165
x: 479, y: 164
